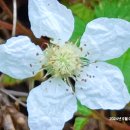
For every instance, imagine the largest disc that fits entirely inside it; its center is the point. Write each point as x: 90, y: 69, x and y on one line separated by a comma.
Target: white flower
x: 98, y: 85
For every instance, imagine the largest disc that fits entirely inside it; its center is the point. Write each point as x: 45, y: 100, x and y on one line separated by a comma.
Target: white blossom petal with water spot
x: 106, y: 38
x: 52, y: 19
x: 101, y: 86
x: 20, y: 58
x: 50, y: 105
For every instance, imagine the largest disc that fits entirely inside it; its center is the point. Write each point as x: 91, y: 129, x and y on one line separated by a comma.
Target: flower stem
x: 31, y: 84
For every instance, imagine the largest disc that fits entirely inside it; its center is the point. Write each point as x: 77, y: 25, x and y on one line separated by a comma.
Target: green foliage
x: 65, y: 2
x: 78, y: 30
x: 106, y: 8
x: 117, y: 9
x: 82, y: 12
x: 83, y: 110
x: 8, y: 81
x: 69, y: 2
x: 80, y: 123
x: 123, y: 63
x: 113, y: 9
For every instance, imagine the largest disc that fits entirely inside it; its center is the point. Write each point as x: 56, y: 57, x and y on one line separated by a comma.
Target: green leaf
x: 117, y: 9
x: 65, y: 2
x: 113, y: 9
x: 83, y: 110
x: 8, y: 81
x: 123, y: 63
x: 82, y: 12
x: 80, y: 123
x: 78, y: 30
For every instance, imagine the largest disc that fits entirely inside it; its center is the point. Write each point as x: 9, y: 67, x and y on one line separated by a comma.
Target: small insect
x: 67, y: 89
x: 37, y: 54
x: 50, y: 81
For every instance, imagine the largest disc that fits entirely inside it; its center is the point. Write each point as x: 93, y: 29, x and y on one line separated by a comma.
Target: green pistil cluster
x: 63, y: 61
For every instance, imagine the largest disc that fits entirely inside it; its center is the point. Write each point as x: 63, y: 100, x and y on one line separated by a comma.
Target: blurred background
x: 13, y: 93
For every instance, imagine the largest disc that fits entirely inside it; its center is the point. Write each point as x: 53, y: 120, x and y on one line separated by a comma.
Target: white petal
x: 20, y: 58
x: 101, y: 86
x: 50, y: 105
x: 52, y: 19
x: 106, y: 38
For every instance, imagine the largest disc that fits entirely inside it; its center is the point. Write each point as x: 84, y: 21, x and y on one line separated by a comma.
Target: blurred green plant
x: 80, y: 123
x: 78, y: 30
x: 8, y: 81
x: 84, y: 112
x: 84, y: 13
x: 113, y: 9
x: 117, y: 9
x: 105, y: 8
x: 123, y: 63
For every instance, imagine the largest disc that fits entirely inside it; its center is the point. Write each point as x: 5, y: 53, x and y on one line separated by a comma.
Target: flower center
x: 63, y: 61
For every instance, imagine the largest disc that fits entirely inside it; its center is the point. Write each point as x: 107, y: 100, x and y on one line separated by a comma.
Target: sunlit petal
x: 50, y: 105
x: 101, y: 86
x: 20, y: 58
x: 105, y: 38
x: 52, y: 19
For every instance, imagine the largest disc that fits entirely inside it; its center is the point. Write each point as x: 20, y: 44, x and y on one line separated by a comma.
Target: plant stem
x: 11, y: 96
x: 14, y: 17
x: 31, y: 84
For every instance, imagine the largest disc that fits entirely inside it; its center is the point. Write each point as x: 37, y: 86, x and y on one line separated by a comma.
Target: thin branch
x: 5, y: 25
x: 14, y: 98
x: 15, y: 93
x: 5, y: 8
x: 110, y: 123
x: 22, y: 29
x: 7, y: 11
x: 8, y: 26
x: 8, y: 122
x: 101, y: 124
x: 14, y: 17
